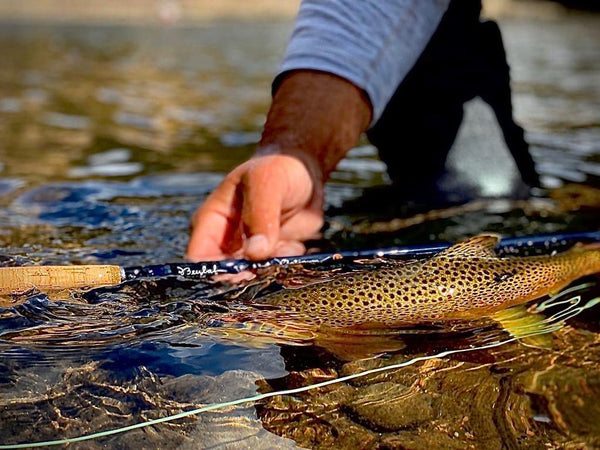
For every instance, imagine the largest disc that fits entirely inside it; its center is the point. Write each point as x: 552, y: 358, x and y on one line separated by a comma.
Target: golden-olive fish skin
x: 465, y: 281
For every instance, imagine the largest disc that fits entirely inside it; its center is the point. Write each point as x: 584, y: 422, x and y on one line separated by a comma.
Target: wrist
x: 316, y: 117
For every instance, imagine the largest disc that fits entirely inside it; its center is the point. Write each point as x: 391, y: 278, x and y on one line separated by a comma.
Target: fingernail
x: 257, y: 245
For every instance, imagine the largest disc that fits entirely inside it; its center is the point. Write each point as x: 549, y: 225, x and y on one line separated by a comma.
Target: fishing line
x: 259, y: 397
x: 251, y: 399
x: 572, y: 310
x: 556, y: 321
x: 552, y: 300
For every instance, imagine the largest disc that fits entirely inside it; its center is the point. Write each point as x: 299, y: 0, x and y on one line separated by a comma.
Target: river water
x: 110, y: 136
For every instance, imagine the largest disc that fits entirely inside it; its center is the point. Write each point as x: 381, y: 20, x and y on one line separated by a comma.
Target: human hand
x: 265, y: 207
x: 268, y: 205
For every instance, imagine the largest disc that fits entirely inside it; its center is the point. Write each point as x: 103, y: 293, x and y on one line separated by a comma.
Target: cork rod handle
x: 52, y: 278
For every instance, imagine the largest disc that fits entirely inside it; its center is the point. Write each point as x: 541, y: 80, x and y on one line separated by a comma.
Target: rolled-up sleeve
x: 372, y: 43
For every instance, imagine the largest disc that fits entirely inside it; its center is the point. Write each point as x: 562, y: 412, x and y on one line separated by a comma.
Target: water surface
x: 110, y: 138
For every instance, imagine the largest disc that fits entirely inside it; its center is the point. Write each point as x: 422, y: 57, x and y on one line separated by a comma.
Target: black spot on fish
x: 500, y: 277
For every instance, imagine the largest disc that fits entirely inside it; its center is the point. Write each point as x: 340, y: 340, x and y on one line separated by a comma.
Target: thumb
x: 261, y: 214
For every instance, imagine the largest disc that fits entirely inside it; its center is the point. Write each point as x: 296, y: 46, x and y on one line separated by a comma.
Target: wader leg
x: 464, y: 59
x: 496, y: 93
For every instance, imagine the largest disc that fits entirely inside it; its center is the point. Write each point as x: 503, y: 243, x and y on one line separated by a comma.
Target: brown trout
x: 466, y: 281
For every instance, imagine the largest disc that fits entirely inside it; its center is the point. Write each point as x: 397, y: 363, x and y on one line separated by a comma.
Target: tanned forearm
x: 317, y: 117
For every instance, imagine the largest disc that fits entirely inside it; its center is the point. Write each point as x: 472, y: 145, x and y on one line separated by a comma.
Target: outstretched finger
x: 215, y: 226
x: 208, y: 237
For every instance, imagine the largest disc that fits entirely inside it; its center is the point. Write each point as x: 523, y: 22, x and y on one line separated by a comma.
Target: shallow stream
x: 110, y: 136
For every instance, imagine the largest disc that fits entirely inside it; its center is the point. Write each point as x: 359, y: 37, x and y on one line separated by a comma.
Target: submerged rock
x: 511, y: 396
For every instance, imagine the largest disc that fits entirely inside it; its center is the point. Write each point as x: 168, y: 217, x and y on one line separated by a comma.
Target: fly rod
x: 53, y: 278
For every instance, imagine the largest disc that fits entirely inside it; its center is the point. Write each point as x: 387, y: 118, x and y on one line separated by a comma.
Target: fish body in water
x: 466, y: 281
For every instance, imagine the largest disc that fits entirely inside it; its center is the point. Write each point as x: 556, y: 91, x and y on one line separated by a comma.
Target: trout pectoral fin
x: 257, y: 333
x: 530, y: 328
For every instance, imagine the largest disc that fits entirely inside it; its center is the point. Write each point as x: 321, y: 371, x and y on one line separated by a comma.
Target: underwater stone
x: 390, y: 406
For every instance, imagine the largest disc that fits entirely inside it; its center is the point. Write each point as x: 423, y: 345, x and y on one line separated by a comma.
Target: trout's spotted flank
x: 468, y: 280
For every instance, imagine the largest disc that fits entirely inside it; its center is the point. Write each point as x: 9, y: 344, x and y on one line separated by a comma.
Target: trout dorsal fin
x: 477, y: 246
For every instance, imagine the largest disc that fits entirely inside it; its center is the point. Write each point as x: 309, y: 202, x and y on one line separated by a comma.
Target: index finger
x: 215, y: 225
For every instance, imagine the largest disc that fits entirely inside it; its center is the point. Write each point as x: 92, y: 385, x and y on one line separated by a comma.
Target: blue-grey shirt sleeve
x: 372, y: 43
